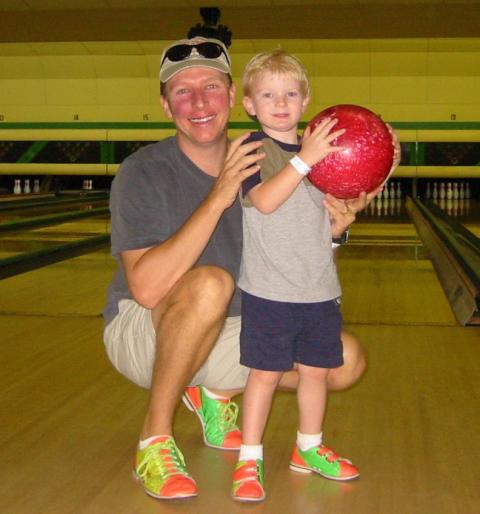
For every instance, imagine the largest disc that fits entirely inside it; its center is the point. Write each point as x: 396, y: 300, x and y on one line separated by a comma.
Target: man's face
x: 199, y: 100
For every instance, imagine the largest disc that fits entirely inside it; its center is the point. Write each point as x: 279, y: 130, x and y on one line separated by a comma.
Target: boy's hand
x: 316, y: 144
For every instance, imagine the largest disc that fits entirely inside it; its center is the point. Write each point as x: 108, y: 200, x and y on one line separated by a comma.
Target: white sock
x: 307, y: 441
x: 143, y: 443
x: 213, y: 395
x: 251, y: 452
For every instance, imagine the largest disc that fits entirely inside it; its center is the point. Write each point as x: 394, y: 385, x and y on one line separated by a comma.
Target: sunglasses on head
x: 208, y: 50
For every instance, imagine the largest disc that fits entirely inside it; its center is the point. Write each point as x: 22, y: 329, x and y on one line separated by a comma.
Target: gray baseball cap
x: 189, y: 53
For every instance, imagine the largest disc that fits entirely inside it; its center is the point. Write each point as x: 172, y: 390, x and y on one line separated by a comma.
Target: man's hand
x: 343, y: 212
x: 397, y: 151
x: 241, y: 162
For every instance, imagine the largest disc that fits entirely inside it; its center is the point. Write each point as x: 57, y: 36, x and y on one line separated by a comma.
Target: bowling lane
x: 393, y: 424
x: 386, y: 274
x: 38, y: 239
x: 42, y: 209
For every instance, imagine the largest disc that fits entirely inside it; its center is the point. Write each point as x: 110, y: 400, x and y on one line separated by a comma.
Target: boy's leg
x: 248, y: 475
x: 310, y: 454
x: 257, y: 400
x: 311, y: 398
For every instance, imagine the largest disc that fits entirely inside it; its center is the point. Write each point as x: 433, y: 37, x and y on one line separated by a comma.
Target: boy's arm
x: 270, y: 194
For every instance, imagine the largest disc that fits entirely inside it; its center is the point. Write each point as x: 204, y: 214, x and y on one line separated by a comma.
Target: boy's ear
x: 248, y: 105
x: 233, y: 93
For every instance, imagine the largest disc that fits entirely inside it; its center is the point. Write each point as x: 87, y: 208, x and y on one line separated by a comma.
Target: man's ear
x: 166, y: 107
x: 248, y: 105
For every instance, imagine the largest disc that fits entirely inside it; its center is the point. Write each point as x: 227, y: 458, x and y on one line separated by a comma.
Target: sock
x: 213, y: 395
x: 143, y: 443
x: 307, y: 441
x: 251, y: 452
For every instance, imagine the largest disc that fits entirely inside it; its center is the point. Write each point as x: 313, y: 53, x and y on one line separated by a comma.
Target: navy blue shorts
x: 275, y: 335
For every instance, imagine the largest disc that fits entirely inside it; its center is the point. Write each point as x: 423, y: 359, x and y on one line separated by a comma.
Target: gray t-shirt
x: 154, y: 192
x: 287, y: 255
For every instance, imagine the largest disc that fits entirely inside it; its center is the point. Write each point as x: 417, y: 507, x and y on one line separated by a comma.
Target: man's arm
x: 152, y: 272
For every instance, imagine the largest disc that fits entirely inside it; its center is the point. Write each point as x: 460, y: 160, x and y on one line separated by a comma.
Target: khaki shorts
x: 130, y: 343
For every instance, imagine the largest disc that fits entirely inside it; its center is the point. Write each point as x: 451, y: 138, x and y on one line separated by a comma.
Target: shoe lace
x: 330, y: 455
x: 163, y: 460
x: 226, y: 418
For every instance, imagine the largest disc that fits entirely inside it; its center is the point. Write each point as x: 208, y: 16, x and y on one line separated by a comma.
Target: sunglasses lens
x: 178, y: 53
x: 209, y: 50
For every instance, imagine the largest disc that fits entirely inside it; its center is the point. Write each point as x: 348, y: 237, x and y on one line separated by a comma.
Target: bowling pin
x: 461, y: 193
x: 435, y: 191
x: 456, y: 193
x: 386, y: 205
x: 379, y: 206
x: 468, y: 193
x: 36, y: 185
x: 26, y: 187
x: 392, y: 190
x: 442, y: 193
x: 399, y: 190
x: 455, y: 206
x: 386, y: 193
x: 428, y: 192
x: 393, y: 201
x: 17, y: 188
x: 449, y: 206
x: 449, y: 192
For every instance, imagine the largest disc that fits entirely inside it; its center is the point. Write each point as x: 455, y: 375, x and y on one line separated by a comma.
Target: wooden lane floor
x: 34, y: 239
x: 70, y: 422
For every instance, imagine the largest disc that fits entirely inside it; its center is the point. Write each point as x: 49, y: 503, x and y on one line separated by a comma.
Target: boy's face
x: 277, y: 102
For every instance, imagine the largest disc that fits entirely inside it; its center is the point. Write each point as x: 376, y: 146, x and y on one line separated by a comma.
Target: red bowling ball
x: 366, y: 159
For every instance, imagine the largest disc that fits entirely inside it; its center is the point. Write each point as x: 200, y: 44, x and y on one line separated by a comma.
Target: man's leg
x: 187, y: 324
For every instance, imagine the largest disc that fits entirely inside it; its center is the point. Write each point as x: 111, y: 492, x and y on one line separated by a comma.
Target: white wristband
x: 302, y: 167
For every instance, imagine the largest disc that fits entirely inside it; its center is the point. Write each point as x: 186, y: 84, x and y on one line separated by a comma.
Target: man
x: 172, y: 318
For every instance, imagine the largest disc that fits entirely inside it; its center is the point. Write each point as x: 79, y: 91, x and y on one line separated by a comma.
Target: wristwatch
x: 337, y: 241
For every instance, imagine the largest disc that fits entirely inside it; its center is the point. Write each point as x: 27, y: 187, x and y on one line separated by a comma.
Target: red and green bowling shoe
x: 218, y: 419
x: 161, y: 469
x: 248, y: 481
x: 323, y: 461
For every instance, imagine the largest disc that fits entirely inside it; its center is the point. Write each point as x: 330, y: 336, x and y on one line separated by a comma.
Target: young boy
x: 290, y: 289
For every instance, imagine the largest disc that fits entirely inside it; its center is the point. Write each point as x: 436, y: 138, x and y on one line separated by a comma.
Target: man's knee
x: 354, y: 365
x: 210, y: 288
x: 205, y: 291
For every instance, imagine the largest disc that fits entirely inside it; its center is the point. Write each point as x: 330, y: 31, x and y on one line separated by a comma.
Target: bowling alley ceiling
x: 140, y: 20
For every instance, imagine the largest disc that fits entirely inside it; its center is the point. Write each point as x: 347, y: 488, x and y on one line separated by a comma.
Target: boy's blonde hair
x: 278, y: 62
